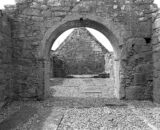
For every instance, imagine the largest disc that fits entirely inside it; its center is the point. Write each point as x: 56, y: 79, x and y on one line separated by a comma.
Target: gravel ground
x: 148, y: 111
x: 110, y: 115
x: 78, y: 113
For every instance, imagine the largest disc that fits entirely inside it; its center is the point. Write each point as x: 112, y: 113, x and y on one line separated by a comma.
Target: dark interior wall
x: 80, y: 54
x: 58, y: 67
x: 5, y: 58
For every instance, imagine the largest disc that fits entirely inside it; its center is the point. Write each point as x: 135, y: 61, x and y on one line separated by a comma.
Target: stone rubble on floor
x: 112, y: 115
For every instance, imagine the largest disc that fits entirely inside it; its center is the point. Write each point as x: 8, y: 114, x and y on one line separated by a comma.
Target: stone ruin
x: 80, y: 54
x: 28, y: 30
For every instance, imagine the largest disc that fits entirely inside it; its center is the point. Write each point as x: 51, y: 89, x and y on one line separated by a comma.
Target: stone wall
x: 82, y: 53
x: 58, y: 67
x: 109, y: 64
x: 126, y: 23
x: 137, y: 62
x: 5, y: 58
x: 156, y: 55
x: 138, y: 69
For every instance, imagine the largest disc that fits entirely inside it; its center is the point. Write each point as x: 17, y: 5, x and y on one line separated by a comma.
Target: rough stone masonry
x: 5, y: 58
x: 130, y: 26
x: 81, y: 53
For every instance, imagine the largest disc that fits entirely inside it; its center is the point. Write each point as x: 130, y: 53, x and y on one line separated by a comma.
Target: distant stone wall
x: 93, y: 64
x: 61, y: 66
x: 156, y: 55
x: 5, y: 58
x: 83, y: 54
x: 72, y: 66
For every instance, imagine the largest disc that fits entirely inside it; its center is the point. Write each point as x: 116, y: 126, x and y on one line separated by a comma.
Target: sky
x: 6, y: 2
x: 100, y: 37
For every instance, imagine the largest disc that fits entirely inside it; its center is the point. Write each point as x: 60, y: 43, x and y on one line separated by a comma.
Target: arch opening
x: 56, y: 32
x: 98, y: 36
x: 53, y: 34
x: 82, y: 58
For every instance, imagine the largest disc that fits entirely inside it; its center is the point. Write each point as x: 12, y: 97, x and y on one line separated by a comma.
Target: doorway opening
x: 51, y: 36
x: 82, y: 66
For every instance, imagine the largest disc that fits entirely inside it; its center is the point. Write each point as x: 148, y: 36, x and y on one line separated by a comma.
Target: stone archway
x: 107, y: 28
x: 35, y: 24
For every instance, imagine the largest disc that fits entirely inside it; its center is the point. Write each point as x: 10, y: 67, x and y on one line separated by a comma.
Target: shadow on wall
x: 56, y: 81
x: 58, y: 67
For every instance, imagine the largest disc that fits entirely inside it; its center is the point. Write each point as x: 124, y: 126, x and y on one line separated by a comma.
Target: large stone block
x: 155, y: 40
x: 139, y: 79
x: 144, y: 68
x: 156, y: 24
x: 156, y: 65
x: 156, y: 89
x: 148, y: 57
x: 136, y: 93
x: 46, y: 13
x: 5, y: 27
x: 145, y: 28
x: 156, y: 55
x: 132, y: 42
x: 34, y: 12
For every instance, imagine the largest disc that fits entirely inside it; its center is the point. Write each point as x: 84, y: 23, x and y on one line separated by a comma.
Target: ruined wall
x: 137, y: 63
x: 5, y: 58
x: 58, y: 67
x: 156, y: 55
x: 129, y: 21
x: 82, y: 53
x: 138, y: 69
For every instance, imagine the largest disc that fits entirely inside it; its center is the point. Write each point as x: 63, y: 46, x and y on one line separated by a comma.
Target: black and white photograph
x: 79, y: 64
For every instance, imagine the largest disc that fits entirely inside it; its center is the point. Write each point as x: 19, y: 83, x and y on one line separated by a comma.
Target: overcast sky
x: 100, y: 37
x: 6, y: 2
